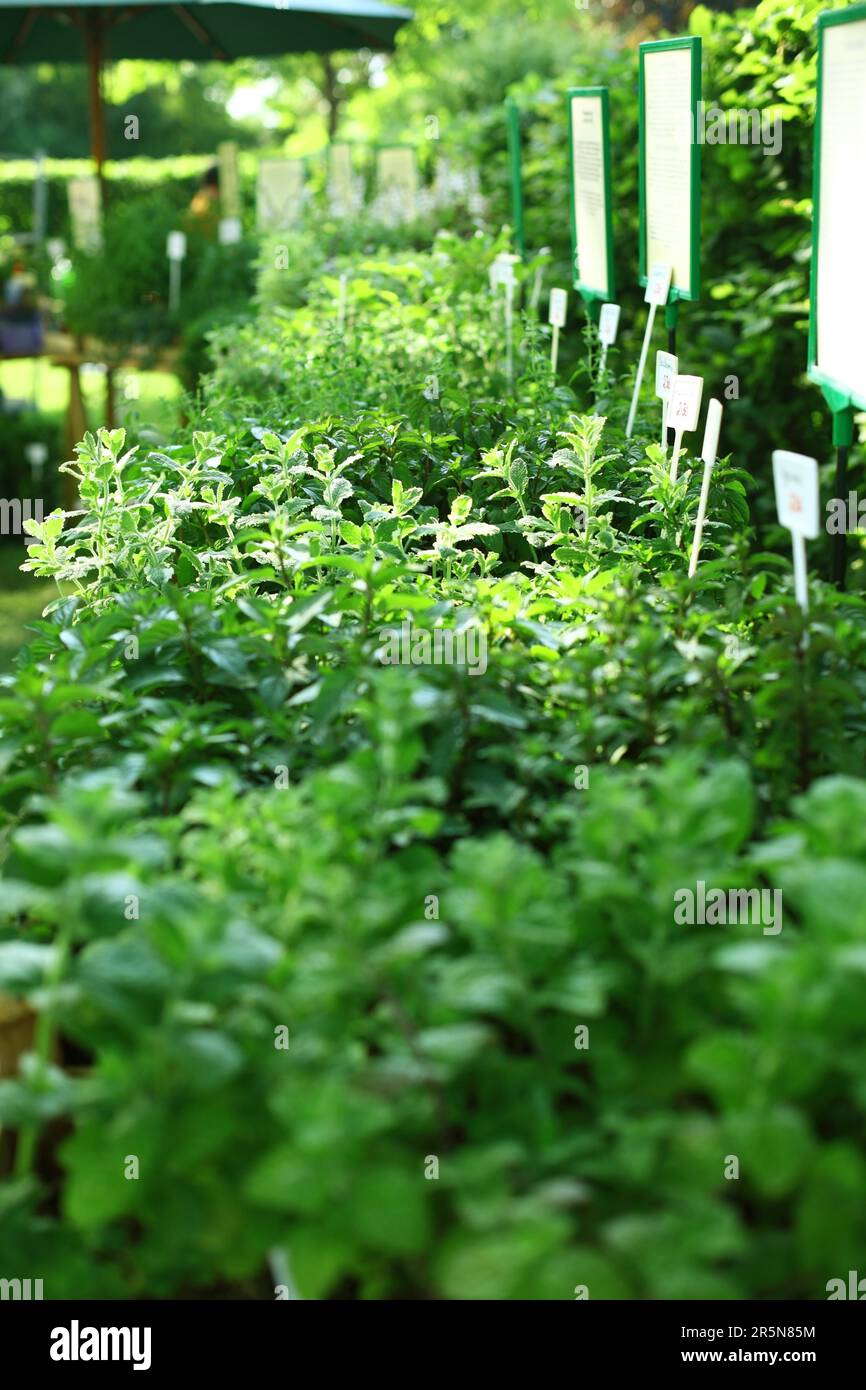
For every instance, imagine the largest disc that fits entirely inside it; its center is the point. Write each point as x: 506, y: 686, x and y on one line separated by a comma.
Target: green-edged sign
x: 512, y: 120
x: 670, y: 162
x: 591, y: 201
x: 837, y: 349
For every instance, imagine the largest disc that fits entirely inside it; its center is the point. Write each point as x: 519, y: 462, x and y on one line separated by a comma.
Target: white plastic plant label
x: 557, y: 309
x: 667, y: 367
x: 230, y: 231
x: 711, y: 432
x: 502, y: 271
x: 658, y: 285
x: 176, y: 246
x: 685, y: 403
x: 796, y: 480
x: 608, y: 324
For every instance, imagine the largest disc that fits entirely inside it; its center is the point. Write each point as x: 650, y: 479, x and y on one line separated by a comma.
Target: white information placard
x: 341, y: 181
x: 837, y: 346
x: 230, y: 181
x: 397, y: 181
x: 279, y: 194
x: 591, y: 216
x: 85, y: 213
x: 670, y: 84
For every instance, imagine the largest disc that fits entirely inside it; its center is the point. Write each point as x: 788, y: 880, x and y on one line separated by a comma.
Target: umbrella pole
x: 93, y: 33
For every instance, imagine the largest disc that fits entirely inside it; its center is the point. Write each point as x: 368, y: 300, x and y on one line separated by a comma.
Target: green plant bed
x: 366, y: 974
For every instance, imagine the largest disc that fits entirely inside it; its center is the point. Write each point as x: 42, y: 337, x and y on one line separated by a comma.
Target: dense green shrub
x: 229, y: 821
x: 373, y: 965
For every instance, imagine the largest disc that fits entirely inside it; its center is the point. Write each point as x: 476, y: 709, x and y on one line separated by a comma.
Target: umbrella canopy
x: 96, y: 31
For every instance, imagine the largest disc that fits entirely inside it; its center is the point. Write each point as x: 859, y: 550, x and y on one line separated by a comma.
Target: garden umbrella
x: 96, y: 31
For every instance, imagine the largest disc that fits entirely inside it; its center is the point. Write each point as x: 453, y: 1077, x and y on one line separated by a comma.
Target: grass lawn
x: 22, y: 599
x: 157, y: 404
x: 157, y: 407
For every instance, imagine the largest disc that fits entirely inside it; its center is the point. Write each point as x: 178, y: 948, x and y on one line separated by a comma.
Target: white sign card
x: 683, y: 410
x: 666, y: 370
x: 667, y: 367
x: 557, y: 308
x: 230, y: 182
x: 175, y: 249
x: 608, y: 324
x: 341, y: 183
x: 589, y: 144
x: 669, y: 175
x: 556, y: 316
x: 795, y: 477
x: 797, y: 502
x: 502, y: 270
x: 397, y: 180
x: 502, y: 273
x: 279, y: 194
x: 685, y: 406
x: 230, y: 231
x: 839, y: 274
x: 176, y: 246
x: 658, y: 285
x: 85, y: 212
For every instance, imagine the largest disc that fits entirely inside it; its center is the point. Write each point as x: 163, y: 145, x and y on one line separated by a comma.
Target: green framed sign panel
x: 837, y: 318
x: 591, y: 199
x: 669, y: 93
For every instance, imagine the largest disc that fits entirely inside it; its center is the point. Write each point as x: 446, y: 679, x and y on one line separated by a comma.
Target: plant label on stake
x: 608, y: 323
x: 796, y: 481
x: 667, y: 367
x: 657, y: 290
x: 556, y: 318
x: 175, y: 250
x: 683, y: 412
x: 230, y: 231
x: 708, y: 454
x: 502, y: 273
x: 509, y: 324
x: 342, y: 295
x: 537, y: 280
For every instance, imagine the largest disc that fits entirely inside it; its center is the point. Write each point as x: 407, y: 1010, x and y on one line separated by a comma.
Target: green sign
x: 512, y: 115
x: 591, y: 200
x: 837, y: 355
x: 670, y: 162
